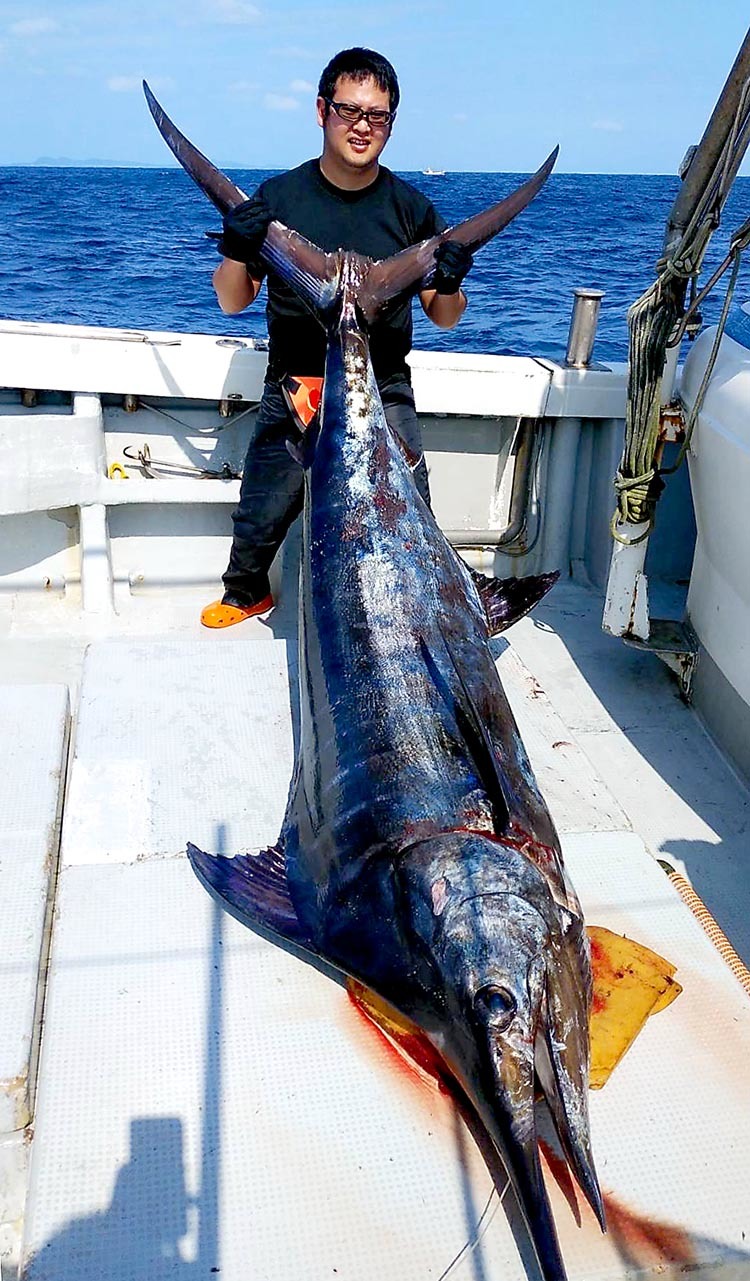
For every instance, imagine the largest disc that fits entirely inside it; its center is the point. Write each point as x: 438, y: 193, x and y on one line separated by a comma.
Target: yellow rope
x: 709, y: 925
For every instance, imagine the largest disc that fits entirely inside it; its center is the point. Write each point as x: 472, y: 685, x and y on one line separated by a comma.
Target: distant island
x: 65, y: 162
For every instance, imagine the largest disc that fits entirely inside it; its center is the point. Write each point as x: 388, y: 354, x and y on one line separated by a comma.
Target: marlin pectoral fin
x: 473, y: 731
x: 505, y: 600
x: 251, y: 887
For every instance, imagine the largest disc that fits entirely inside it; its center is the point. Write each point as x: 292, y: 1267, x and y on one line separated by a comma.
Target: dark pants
x: 272, y: 490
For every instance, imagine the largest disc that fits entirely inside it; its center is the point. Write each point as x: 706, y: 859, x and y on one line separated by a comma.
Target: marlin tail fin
x: 414, y: 269
x: 315, y: 275
x: 311, y: 272
x: 220, y: 190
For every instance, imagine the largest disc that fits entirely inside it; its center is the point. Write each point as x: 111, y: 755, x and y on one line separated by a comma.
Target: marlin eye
x: 496, y: 1005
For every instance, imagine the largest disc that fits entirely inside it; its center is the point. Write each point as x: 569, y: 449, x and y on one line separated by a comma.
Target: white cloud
x: 302, y: 86
x: 123, y: 84
x: 33, y: 27
x: 236, y: 12
x: 132, y: 84
x: 242, y: 87
x: 608, y: 126
x: 297, y: 52
x: 280, y: 102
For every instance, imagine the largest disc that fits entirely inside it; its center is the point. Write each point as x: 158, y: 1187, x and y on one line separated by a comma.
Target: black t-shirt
x: 376, y: 221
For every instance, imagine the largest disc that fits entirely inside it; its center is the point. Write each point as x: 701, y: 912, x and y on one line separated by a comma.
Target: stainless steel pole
x: 583, y: 324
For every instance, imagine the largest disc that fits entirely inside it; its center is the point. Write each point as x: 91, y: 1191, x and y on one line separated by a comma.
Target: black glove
x: 245, y: 229
x: 453, y: 262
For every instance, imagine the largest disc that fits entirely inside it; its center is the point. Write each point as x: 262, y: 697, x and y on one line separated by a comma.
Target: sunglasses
x: 352, y: 115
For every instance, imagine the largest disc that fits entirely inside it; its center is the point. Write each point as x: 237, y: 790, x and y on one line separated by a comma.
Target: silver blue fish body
x: 417, y: 854
x: 405, y: 730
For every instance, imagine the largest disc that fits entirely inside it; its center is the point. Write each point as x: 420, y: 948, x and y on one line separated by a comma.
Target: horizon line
x: 64, y: 163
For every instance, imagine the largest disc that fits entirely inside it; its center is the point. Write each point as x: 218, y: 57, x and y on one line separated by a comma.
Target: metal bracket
x: 677, y: 645
x: 231, y: 404
x: 672, y: 422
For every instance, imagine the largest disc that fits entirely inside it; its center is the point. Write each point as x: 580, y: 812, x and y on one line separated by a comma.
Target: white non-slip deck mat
x: 177, y: 741
x: 212, y: 1106
x: 193, y: 740
x: 33, y: 737
x: 576, y: 795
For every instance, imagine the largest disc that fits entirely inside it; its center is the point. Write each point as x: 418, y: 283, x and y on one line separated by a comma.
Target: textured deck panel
x: 176, y: 739
x: 33, y: 736
x: 576, y: 795
x: 211, y: 1105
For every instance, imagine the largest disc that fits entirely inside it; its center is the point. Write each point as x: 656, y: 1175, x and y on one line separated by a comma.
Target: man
x: 344, y: 200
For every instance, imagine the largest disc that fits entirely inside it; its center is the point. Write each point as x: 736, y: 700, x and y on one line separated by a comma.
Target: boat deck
x: 622, y: 708
x: 206, y: 1098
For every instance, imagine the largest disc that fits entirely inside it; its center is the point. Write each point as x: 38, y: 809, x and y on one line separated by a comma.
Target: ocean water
x: 127, y: 247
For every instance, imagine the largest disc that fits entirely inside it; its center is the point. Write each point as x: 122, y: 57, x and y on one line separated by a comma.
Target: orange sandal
x: 217, y: 614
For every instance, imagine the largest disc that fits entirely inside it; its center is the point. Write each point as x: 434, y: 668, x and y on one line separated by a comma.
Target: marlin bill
x: 417, y: 855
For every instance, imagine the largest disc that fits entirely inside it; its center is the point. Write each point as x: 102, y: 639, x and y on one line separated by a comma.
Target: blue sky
x: 486, y: 85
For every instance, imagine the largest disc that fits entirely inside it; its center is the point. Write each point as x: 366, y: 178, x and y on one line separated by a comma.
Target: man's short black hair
x: 360, y: 64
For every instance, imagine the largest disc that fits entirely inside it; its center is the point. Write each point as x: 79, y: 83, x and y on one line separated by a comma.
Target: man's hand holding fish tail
x: 445, y: 303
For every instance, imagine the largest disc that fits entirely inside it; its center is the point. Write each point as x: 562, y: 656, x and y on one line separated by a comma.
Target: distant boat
x: 434, y: 173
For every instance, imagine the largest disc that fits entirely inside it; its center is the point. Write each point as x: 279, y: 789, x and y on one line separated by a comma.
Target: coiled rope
x: 657, y: 320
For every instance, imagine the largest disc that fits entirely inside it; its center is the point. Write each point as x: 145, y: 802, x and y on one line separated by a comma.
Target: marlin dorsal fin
x: 505, y: 600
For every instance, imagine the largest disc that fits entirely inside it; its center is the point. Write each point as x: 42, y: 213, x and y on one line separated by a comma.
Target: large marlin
x: 416, y: 855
